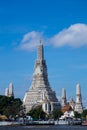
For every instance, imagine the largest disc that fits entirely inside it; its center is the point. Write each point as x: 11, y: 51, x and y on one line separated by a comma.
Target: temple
x: 40, y: 92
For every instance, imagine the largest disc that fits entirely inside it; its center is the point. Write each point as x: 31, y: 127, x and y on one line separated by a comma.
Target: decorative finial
x: 40, y: 53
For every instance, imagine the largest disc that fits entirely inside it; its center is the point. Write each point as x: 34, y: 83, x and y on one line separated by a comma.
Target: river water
x: 43, y: 127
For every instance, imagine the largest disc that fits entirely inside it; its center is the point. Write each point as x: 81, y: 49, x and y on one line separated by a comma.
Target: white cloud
x: 75, y: 36
x: 31, y: 40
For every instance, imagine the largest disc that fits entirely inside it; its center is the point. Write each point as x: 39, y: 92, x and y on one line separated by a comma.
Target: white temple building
x: 64, y: 99
x: 9, y: 92
x: 78, y: 104
x: 40, y: 92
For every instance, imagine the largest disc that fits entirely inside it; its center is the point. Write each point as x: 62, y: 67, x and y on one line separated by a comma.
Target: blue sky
x: 62, y: 26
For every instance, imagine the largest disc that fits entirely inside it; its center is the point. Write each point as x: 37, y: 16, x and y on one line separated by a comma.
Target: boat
x: 8, y: 123
x: 62, y: 122
x: 68, y: 121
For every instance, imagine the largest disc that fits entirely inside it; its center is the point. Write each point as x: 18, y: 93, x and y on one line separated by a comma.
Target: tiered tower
x: 78, y: 105
x: 40, y: 92
x: 11, y: 91
x: 64, y: 100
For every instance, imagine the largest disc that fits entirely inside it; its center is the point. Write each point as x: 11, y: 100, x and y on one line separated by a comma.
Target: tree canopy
x: 84, y: 113
x: 10, y: 106
x: 77, y: 114
x: 56, y: 114
x: 37, y: 113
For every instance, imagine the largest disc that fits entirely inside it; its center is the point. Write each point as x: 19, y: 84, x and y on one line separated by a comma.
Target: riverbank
x: 8, y: 123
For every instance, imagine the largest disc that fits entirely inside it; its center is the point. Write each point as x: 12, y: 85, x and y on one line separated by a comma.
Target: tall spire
x: 11, y: 93
x: 40, y: 51
x: 78, y: 90
x: 78, y: 106
x: 63, y: 93
x: 7, y: 92
x: 64, y: 100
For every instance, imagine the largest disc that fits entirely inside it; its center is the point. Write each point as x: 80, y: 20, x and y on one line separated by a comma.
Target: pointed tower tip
x: 78, y: 84
x: 78, y: 89
x: 11, y: 84
x: 41, y: 42
x: 40, y: 53
x: 63, y: 93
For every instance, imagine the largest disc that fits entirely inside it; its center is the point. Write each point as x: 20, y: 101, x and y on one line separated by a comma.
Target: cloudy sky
x: 62, y: 27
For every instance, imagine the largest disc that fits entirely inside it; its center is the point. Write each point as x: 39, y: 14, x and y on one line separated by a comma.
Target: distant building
x: 40, y: 92
x: 9, y: 92
x: 66, y: 108
x: 78, y: 104
x: 72, y: 103
x: 64, y: 100
x: 75, y: 105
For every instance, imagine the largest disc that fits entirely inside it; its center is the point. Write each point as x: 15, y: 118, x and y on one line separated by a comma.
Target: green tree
x: 9, y: 106
x: 77, y: 115
x: 56, y: 114
x: 84, y: 113
x: 37, y: 113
